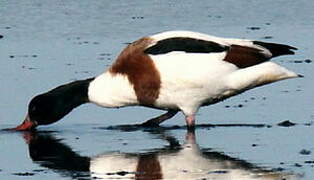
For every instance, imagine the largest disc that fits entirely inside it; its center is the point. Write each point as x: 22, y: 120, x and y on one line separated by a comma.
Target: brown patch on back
x: 148, y: 168
x: 243, y: 56
x: 140, y: 70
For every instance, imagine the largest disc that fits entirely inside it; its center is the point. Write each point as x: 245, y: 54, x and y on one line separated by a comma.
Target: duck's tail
x: 276, y: 49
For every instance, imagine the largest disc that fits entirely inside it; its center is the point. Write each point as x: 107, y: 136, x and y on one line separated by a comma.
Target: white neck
x: 112, y: 91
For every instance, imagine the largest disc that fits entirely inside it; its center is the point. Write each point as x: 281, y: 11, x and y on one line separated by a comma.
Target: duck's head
x: 53, y: 105
x: 42, y: 110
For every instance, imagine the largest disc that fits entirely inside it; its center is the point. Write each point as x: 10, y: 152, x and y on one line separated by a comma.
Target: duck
x: 175, y: 71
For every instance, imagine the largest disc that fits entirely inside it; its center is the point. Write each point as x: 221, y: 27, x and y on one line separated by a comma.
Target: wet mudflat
x: 266, y: 133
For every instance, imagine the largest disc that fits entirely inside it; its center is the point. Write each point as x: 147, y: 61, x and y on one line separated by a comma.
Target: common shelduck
x: 172, y: 71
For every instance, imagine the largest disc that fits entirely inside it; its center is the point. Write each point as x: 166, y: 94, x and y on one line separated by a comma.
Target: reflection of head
x: 186, y: 161
x: 52, y: 153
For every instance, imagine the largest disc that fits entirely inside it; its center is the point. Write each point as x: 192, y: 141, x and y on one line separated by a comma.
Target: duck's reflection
x: 175, y: 161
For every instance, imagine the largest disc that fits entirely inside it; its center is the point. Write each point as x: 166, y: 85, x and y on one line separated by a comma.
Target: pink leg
x: 190, y: 121
x: 190, y: 137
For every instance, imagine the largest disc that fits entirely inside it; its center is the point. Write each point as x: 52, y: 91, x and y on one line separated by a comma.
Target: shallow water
x: 48, y: 43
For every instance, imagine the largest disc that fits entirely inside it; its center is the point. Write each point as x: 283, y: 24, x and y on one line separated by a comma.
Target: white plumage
x: 119, y: 92
x: 192, y: 79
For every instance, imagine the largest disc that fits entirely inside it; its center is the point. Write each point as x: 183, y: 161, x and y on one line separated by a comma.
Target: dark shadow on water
x: 174, y: 161
x: 140, y: 127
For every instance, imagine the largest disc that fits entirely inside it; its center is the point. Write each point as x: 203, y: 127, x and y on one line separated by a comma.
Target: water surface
x: 48, y: 43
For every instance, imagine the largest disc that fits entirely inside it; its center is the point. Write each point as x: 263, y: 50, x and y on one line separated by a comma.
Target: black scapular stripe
x: 185, y: 44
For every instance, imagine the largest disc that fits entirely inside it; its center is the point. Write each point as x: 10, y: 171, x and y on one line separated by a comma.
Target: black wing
x: 185, y: 44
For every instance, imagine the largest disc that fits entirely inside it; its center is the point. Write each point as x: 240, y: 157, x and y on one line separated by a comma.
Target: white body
x: 190, y: 80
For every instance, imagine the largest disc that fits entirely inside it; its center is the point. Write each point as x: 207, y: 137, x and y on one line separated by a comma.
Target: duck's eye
x: 33, y: 109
